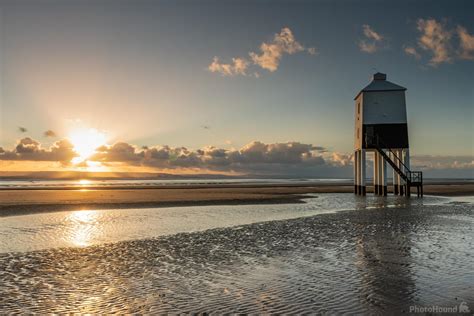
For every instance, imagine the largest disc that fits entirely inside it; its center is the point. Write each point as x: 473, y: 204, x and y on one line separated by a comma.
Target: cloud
x: 254, y: 158
x: 367, y: 47
x: 466, y: 43
x: 30, y: 149
x: 371, y: 34
x: 119, y: 152
x: 435, y: 38
x: 269, y: 57
x: 237, y: 67
x: 430, y: 162
x: 341, y: 159
x: 312, y: 51
x: 212, y: 158
x: 372, y: 42
x: 272, y: 52
x: 49, y: 133
x: 409, y: 50
x: 277, y: 153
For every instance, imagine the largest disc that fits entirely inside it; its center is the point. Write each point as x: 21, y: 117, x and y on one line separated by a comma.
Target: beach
x: 234, y: 248
x: 384, y: 255
x: 26, y: 200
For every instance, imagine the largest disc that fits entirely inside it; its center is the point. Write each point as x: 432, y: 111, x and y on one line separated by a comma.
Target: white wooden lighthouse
x: 381, y: 127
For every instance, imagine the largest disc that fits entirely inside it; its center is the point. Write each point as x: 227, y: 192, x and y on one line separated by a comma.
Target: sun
x: 85, y: 142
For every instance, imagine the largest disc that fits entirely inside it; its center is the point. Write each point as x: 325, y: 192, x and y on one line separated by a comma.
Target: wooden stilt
x: 356, y: 174
x: 362, y: 172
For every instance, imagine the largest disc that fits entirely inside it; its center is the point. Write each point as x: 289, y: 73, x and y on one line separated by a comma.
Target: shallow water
x: 92, y: 227
x: 110, y: 183
x: 387, y: 256
x: 113, y: 183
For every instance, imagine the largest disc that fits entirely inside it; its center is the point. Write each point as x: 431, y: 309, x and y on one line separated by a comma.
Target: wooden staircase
x: 411, y: 178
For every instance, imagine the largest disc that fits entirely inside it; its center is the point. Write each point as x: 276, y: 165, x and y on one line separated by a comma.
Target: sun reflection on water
x: 83, y: 227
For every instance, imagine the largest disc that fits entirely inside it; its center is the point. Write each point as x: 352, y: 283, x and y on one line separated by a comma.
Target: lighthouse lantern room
x: 381, y: 128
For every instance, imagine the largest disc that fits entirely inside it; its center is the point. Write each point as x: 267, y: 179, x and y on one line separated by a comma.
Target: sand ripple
x: 370, y: 261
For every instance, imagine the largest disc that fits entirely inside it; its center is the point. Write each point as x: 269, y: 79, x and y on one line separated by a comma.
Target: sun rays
x: 85, y: 142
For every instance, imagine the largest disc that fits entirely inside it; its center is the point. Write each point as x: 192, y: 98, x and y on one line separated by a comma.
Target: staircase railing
x: 416, y: 176
x: 404, y: 171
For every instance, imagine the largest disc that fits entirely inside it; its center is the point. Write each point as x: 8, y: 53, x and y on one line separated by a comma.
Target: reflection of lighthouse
x: 385, y: 265
x: 381, y: 127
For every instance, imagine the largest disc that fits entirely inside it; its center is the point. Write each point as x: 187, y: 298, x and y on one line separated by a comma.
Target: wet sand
x: 15, y: 201
x: 372, y: 261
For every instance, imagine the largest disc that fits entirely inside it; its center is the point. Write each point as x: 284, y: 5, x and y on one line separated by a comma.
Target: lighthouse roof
x: 380, y: 83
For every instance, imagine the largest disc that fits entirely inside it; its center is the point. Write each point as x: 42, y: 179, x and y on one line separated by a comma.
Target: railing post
x: 399, y: 178
x: 421, y: 185
x: 395, y: 174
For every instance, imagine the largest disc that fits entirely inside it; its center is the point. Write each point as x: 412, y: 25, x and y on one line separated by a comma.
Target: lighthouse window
x: 358, y: 108
x: 357, y: 132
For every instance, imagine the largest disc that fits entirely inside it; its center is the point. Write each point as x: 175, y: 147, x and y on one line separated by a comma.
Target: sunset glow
x: 82, y: 227
x: 85, y: 142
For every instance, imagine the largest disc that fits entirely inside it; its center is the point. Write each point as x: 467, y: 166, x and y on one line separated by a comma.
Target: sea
x: 111, y: 183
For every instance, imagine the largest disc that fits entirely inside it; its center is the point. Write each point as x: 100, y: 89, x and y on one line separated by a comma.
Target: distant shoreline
x: 321, y: 183
x: 18, y: 201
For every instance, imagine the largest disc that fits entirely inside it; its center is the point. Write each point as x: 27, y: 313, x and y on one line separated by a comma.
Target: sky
x: 262, y: 87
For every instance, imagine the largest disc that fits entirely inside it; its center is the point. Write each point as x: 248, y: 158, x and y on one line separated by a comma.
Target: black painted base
x: 380, y: 190
x: 360, y: 190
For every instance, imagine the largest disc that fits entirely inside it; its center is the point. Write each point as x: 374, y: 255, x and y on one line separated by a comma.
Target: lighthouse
x: 381, y: 129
